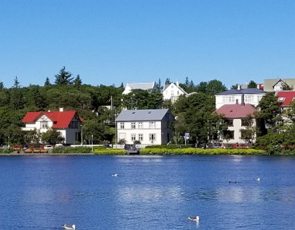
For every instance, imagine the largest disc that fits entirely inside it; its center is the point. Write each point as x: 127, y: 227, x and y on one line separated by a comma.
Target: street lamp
x: 81, y: 134
x: 92, y: 141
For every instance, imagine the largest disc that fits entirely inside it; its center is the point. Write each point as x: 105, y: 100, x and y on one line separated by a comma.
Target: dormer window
x: 281, y: 99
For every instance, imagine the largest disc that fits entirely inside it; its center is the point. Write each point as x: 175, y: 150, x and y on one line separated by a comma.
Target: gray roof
x: 242, y: 91
x: 143, y: 86
x: 142, y: 115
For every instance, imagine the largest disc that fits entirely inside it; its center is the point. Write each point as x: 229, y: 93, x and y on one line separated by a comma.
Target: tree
x: 252, y: 84
x: 52, y: 137
x: 1, y: 85
x: 78, y: 81
x: 215, y: 86
x: 63, y: 77
x: 195, y: 115
x: 47, y: 82
x: 142, y: 99
x: 269, y: 114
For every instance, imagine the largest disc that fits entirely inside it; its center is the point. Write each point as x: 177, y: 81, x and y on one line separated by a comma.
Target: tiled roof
x: 286, y: 97
x: 60, y: 119
x: 142, y: 115
x: 242, y: 91
x: 236, y: 111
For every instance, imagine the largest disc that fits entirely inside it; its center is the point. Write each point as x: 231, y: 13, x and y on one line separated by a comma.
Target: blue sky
x: 114, y: 41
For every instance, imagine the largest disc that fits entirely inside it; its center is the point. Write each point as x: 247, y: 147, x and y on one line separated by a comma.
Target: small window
x: 122, y: 125
x: 152, y: 137
x: 44, y: 124
x: 140, y: 125
x: 140, y: 137
x: 133, y: 125
x: 133, y: 137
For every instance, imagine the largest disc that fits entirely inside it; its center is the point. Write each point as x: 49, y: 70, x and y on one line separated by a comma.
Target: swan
x: 194, y: 218
x: 69, y: 227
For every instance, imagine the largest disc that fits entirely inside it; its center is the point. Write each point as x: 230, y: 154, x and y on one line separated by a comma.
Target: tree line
x: 194, y: 114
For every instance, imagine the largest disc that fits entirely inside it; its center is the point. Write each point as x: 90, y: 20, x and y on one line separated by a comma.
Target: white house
x: 149, y: 127
x: 274, y: 85
x: 143, y: 86
x: 250, y: 96
x: 67, y: 123
x: 239, y: 117
x: 172, y: 92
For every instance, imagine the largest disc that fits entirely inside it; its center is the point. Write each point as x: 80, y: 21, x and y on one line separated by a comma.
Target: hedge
x: 200, y: 151
x: 72, y: 150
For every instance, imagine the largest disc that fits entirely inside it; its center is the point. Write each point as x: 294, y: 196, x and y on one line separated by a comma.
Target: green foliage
x: 252, y: 84
x: 195, y: 115
x: 200, y: 151
x: 52, y: 137
x: 63, y: 77
x: 142, y: 99
x: 71, y: 150
x: 109, y: 151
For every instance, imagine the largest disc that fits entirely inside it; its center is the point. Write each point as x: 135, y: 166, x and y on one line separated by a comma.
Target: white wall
x: 252, y: 99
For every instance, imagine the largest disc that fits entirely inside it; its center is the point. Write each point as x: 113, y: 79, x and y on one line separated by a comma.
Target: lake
x: 147, y: 192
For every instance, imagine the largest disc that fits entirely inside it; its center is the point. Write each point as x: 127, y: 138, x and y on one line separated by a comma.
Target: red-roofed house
x: 285, y: 97
x: 237, y: 117
x: 66, y: 122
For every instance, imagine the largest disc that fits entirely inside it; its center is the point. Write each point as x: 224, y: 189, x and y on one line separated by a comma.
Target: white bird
x: 258, y: 179
x: 69, y: 227
x: 194, y: 218
x: 115, y: 174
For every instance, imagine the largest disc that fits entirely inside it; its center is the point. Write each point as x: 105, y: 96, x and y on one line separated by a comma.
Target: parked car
x: 48, y: 147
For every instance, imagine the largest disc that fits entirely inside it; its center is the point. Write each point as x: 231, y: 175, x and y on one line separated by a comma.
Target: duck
x: 194, y: 218
x: 69, y: 227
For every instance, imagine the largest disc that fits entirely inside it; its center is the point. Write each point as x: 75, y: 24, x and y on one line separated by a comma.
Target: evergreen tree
x: 47, y: 82
x: 63, y: 77
x: 78, y: 81
x: 1, y: 85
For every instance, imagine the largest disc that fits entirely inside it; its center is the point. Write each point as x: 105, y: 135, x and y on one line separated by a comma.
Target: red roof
x: 285, y: 97
x: 60, y: 119
x: 236, y: 110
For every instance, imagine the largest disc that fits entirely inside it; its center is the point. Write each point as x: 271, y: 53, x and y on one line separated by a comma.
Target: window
x: 121, y: 125
x: 74, y: 125
x: 140, y: 137
x: 44, y: 124
x: 140, y: 125
x: 249, y: 99
x: 133, y: 125
x: 133, y: 137
x: 152, y: 137
x: 246, y: 122
x: 152, y: 124
x: 228, y: 99
x: 229, y: 122
x: 228, y: 134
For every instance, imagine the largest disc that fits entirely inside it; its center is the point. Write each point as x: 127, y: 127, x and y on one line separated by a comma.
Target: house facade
x: 143, y: 86
x: 240, y: 120
x: 172, y: 92
x: 67, y: 123
x: 250, y: 96
x: 147, y: 127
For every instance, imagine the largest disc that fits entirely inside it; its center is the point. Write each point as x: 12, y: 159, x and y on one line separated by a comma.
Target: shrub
x: 71, y: 150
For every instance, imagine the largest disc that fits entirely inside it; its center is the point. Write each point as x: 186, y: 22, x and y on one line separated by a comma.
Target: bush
x: 109, y: 151
x: 6, y: 150
x: 71, y: 150
x: 199, y: 151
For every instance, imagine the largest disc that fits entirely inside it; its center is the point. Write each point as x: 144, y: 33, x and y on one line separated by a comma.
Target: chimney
x: 239, y: 87
x: 61, y: 109
x: 243, y: 99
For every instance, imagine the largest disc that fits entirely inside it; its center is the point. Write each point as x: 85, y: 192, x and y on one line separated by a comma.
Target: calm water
x: 148, y: 193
